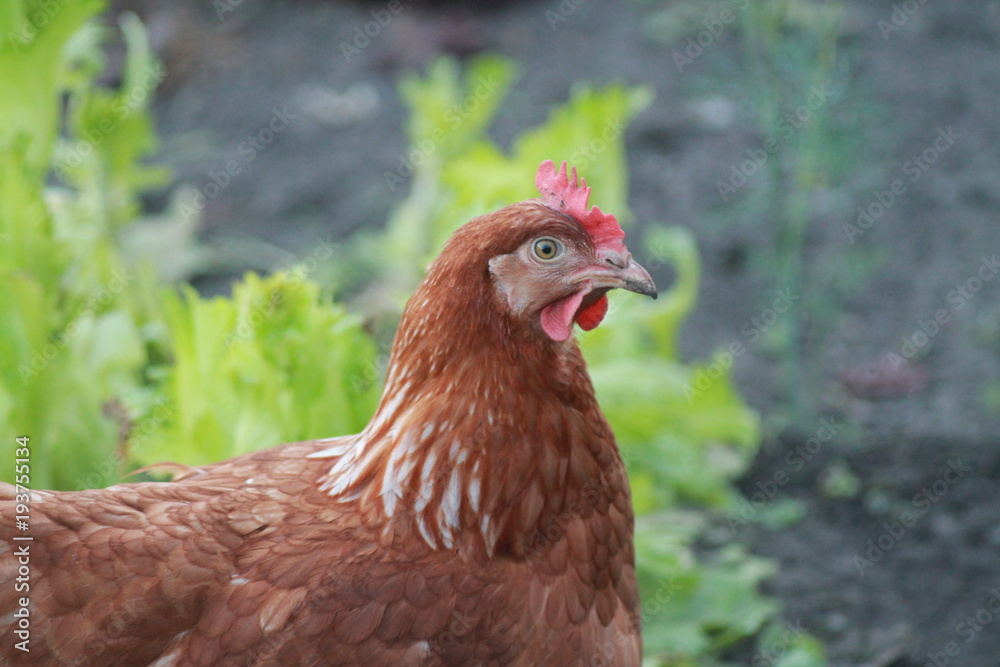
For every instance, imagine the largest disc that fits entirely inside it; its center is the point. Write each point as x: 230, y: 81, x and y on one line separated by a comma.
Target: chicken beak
x: 618, y: 270
x: 637, y: 279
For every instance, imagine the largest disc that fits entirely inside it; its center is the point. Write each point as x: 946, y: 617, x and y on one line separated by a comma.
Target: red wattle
x: 558, y: 316
x: 592, y: 315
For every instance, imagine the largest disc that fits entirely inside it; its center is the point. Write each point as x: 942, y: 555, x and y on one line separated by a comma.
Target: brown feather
x: 482, y: 517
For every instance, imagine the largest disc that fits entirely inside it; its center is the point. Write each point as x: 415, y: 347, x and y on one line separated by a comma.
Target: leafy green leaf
x: 276, y: 363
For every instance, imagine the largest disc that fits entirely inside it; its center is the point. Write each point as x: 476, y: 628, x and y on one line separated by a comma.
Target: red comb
x: 570, y: 196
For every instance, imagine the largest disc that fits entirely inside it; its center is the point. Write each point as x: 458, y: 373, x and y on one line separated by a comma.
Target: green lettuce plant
x: 72, y: 309
x: 274, y: 363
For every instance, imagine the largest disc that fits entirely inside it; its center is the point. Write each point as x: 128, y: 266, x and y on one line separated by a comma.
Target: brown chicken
x: 483, y: 516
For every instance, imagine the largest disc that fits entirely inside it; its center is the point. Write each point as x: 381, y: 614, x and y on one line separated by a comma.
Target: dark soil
x: 878, y: 592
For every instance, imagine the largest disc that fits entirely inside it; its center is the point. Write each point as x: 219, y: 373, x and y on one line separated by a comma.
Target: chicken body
x: 483, y: 516
x: 213, y: 570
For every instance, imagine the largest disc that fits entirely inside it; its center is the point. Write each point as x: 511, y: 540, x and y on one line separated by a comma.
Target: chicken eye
x: 547, y: 248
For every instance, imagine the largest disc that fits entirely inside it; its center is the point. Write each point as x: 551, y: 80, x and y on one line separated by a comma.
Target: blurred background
x: 809, y: 415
